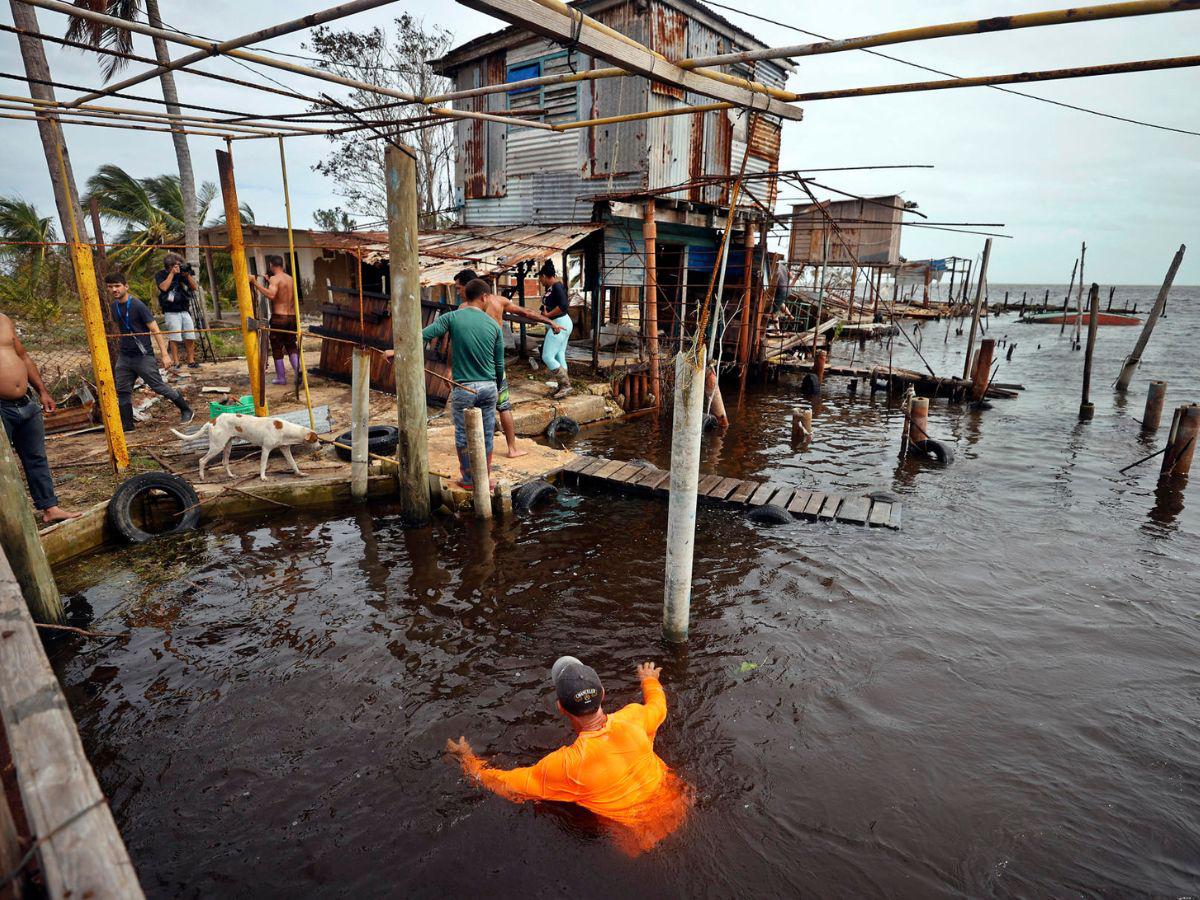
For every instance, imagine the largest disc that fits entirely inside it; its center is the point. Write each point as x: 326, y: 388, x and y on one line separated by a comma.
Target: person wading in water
x: 23, y: 423
x: 496, y: 306
x: 610, y: 769
x: 280, y: 289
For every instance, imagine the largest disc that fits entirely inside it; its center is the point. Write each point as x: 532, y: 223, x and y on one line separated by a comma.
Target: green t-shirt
x: 478, y: 344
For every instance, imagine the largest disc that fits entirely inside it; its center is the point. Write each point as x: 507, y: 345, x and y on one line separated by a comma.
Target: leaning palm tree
x: 104, y: 36
x: 150, y: 212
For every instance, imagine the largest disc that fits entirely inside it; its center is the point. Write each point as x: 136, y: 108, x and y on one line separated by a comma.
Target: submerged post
x: 650, y: 235
x: 685, y: 476
x: 412, y: 451
x: 360, y: 421
x: 1154, y: 405
x: 983, y: 368
x: 987, y: 252
x: 1181, y: 442
x: 481, y: 493
x: 918, y: 421
x: 801, y: 425
x: 819, y: 360
x: 20, y: 542
x: 1086, y: 409
x: 1160, y: 302
x: 241, y: 279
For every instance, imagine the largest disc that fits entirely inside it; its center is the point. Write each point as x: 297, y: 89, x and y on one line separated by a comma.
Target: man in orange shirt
x: 610, y: 769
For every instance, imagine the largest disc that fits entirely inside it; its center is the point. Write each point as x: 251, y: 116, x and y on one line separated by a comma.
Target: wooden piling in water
x: 1154, y: 406
x: 1181, y: 442
x: 412, y: 451
x: 1160, y: 302
x: 918, y: 420
x: 20, y: 543
x: 1086, y: 409
x: 360, y: 421
x: 987, y: 252
x: 502, y: 499
x: 801, y: 425
x: 819, y: 360
x: 981, y: 374
x: 481, y: 494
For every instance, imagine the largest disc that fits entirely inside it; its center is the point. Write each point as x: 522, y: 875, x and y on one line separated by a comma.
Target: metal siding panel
x: 669, y: 140
x: 532, y: 150
x: 622, y: 265
x: 669, y: 36
x: 495, y: 133
x: 619, y: 149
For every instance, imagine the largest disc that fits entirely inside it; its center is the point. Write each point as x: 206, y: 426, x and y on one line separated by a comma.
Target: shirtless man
x: 22, y: 416
x: 280, y: 289
x: 496, y: 306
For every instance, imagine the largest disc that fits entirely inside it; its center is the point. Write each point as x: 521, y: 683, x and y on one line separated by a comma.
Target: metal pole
x: 650, y: 320
x: 987, y: 252
x: 685, y: 476
x: 412, y: 452
x: 241, y: 279
x: 1135, y: 358
x: 287, y: 206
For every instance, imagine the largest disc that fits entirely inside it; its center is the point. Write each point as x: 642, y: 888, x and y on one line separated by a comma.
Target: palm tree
x: 121, y: 39
x: 31, y: 277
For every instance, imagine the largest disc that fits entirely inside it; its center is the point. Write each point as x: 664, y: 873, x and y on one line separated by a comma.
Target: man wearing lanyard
x: 136, y: 358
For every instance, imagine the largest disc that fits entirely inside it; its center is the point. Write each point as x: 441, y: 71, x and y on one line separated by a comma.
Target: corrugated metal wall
x: 669, y: 140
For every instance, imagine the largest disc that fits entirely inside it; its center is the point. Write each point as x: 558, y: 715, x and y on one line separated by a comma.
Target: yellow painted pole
x: 93, y: 323
x: 287, y: 208
x: 241, y: 279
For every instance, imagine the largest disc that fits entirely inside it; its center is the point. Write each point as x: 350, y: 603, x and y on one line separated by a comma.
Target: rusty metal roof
x: 488, y: 249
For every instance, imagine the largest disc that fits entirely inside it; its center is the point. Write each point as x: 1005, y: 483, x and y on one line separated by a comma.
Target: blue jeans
x: 554, y: 348
x: 484, y: 399
x: 27, y: 431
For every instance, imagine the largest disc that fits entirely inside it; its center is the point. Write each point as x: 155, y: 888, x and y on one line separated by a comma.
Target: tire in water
x: 935, y: 451
x: 770, y: 514
x: 532, y: 494
x: 120, y: 507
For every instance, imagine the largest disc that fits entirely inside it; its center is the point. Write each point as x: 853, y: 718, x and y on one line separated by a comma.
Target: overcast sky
x: 1053, y: 176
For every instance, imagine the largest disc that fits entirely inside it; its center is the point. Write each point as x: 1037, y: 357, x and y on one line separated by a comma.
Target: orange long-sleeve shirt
x: 613, y: 771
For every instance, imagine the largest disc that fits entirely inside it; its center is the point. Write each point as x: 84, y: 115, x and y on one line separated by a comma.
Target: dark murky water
x: 1001, y: 699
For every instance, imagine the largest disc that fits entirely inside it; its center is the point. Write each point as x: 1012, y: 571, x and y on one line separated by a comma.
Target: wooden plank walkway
x: 616, y: 475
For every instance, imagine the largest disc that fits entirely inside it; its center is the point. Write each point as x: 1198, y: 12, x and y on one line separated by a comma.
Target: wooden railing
x: 78, y: 848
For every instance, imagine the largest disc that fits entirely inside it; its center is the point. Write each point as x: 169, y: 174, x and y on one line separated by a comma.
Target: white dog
x: 265, y: 432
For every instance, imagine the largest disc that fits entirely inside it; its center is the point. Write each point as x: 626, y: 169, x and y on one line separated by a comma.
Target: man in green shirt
x: 478, y: 364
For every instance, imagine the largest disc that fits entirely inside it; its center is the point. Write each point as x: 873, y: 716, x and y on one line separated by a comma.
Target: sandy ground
x: 80, y: 462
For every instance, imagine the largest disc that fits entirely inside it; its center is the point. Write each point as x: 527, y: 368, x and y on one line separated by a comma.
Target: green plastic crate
x: 244, y: 406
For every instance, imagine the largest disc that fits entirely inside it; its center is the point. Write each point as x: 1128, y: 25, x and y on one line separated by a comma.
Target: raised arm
x: 436, y: 328
x: 532, y: 314
x: 165, y: 284
x: 654, y: 698
x: 271, y: 289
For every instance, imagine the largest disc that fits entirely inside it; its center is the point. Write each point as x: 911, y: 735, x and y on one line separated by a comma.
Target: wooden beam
x: 951, y: 29
x: 81, y: 853
x: 558, y: 22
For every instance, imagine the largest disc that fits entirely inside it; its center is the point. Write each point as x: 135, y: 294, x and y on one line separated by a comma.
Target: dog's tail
x: 195, y: 434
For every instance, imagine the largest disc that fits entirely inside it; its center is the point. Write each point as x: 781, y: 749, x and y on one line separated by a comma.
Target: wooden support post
x: 241, y: 279
x: 819, y: 359
x: 1160, y: 302
x: 412, y: 452
x: 1112, y: 290
x: 928, y: 276
x: 79, y: 850
x: 93, y: 323
x: 650, y: 235
x: 477, y: 456
x: 1079, y: 297
x: 20, y: 542
x: 1154, y: 406
x: 743, y: 347
x: 987, y: 252
x: 918, y: 421
x: 1181, y: 442
x: 685, y: 476
x: 1086, y: 408
x: 360, y: 421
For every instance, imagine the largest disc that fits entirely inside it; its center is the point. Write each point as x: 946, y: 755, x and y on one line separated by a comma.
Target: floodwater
x: 1000, y: 699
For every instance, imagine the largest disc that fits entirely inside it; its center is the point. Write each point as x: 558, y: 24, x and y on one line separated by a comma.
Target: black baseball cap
x: 578, y: 686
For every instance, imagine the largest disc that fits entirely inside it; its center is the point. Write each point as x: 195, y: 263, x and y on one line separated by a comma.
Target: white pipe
x: 685, y: 477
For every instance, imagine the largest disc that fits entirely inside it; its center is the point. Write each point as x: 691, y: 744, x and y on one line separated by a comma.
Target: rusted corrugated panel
x: 495, y: 134
x: 764, y: 139
x: 619, y: 149
x: 669, y: 139
x: 870, y: 228
x: 668, y: 30
x: 472, y: 154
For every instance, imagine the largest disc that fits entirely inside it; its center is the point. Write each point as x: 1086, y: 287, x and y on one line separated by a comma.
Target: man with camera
x: 176, y: 289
